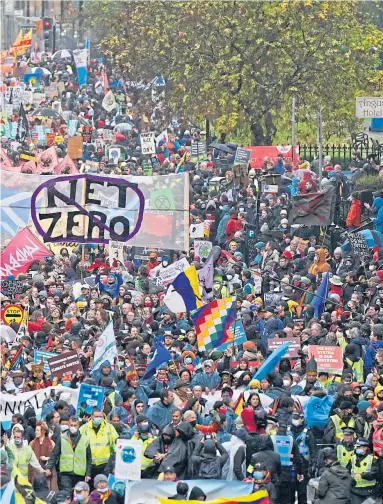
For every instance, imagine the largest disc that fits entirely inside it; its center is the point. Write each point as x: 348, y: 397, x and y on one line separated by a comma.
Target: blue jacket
x: 223, y: 222
x: 370, y: 355
x: 111, y: 289
x: 159, y: 414
x: 204, y: 380
x: 378, y: 221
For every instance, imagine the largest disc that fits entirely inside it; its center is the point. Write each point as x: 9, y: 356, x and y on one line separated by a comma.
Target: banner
x: 89, y: 397
x: 313, y: 209
x: 148, y: 145
x: 148, y: 491
x: 128, y: 459
x: 95, y: 209
x: 39, y: 355
x: 72, y: 127
x: 165, y: 276
x: 259, y: 497
x: 11, y: 404
x: 80, y: 58
x: 20, y: 253
x: 329, y: 359
x: 260, y: 152
x: 105, y: 348
x: 239, y: 336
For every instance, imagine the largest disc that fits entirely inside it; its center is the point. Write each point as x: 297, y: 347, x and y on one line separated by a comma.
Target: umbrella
x: 123, y: 127
x: 46, y: 112
x: 7, y: 333
x: 64, y: 53
x: 222, y: 147
x: 272, y: 361
x: 83, y: 121
x: 40, y: 71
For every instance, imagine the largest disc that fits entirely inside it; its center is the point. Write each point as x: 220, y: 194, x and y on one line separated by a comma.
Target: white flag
x: 109, y: 102
x: 106, y: 349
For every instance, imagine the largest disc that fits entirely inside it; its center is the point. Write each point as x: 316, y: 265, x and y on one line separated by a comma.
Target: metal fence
x: 341, y: 154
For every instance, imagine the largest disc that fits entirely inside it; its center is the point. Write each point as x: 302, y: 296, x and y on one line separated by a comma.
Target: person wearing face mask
x: 261, y: 479
x: 364, y: 472
x: 337, y: 422
x: 335, y: 482
x: 345, y: 449
x: 102, y: 492
x: 143, y: 433
x: 307, y: 448
x: 23, y: 455
x: 73, y: 455
x: 102, y: 437
x: 81, y: 492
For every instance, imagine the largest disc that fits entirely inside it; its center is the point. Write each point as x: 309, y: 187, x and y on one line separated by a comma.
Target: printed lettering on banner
x: 128, y: 459
x: 292, y: 351
x: 165, y: 276
x: 37, y: 99
x: 66, y: 363
x: 26, y: 97
x: 12, y: 404
x: 148, y: 143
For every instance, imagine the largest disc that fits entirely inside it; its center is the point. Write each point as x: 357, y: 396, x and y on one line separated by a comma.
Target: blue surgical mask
x: 97, y: 421
x: 66, y: 383
x: 258, y: 475
x: 359, y: 451
x: 80, y: 497
x: 64, y: 428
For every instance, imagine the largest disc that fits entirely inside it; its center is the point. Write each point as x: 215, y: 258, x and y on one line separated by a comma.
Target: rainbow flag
x: 259, y: 497
x: 212, y: 323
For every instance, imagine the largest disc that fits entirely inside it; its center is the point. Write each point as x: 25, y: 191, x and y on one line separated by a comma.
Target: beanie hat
x: 363, y: 405
x: 99, y: 478
x: 379, y: 407
x: 346, y: 405
x: 141, y: 418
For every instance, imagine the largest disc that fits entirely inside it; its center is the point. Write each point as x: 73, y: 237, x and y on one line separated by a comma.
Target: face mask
x: 73, y: 430
x: 18, y: 442
x: 97, y: 421
x: 165, y: 264
x: 193, y: 423
x: 371, y: 268
x: 66, y: 383
x: 80, y: 497
x: 166, y: 440
x: 286, y: 383
x: 359, y: 451
x: 64, y: 428
x: 148, y: 303
x: 102, y: 490
x: 257, y: 475
x: 296, y: 422
x: 144, y: 436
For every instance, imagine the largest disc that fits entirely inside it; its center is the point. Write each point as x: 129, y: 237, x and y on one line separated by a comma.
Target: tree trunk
x: 257, y: 135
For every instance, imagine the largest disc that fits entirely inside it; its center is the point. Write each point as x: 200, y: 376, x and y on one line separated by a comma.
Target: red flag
x: 66, y: 166
x: 20, y: 253
x: 47, y: 160
x: 106, y: 82
x: 6, y: 163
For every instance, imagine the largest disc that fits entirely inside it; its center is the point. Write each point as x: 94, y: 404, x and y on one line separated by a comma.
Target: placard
x: 11, y: 287
x: 272, y: 298
x: 27, y: 156
x: 116, y: 253
x: 89, y: 397
x: 292, y: 352
x: 50, y: 139
x: 65, y: 364
x: 39, y: 356
x: 329, y: 359
x: 239, y: 336
x: 148, y: 144
x: 108, y: 135
x: 202, y: 248
x: 358, y: 244
x: 72, y: 127
x: 128, y: 459
x: 12, y: 314
x: 198, y: 149
x: 75, y: 145
x: 87, y: 134
x: 242, y: 156
x: 37, y: 99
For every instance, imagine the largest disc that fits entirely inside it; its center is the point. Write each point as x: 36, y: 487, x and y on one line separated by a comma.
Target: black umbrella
x: 221, y: 147
x: 46, y: 112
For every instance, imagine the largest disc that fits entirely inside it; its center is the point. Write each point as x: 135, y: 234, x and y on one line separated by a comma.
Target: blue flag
x: 320, y: 297
x: 161, y: 355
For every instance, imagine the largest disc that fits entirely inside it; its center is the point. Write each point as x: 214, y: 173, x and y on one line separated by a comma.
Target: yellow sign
x: 11, y: 314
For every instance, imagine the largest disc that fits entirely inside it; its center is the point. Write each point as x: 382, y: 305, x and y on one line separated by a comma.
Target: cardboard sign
x: 11, y: 287
x: 202, y: 248
x: 148, y: 144
x: 75, y: 147
x: 292, y: 352
x: 64, y: 364
x: 358, y: 244
x: 90, y: 396
x: 128, y: 459
x: 116, y: 252
x: 39, y: 356
x: 50, y: 139
x: 108, y: 135
x: 272, y: 298
x: 329, y: 358
x: 242, y: 156
x: 87, y: 134
x: 11, y: 314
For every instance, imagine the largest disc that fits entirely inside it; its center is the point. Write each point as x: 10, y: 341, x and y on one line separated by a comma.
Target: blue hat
x: 362, y: 406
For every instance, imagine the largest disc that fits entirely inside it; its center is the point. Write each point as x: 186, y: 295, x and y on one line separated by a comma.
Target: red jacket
x: 232, y: 227
x: 353, y: 216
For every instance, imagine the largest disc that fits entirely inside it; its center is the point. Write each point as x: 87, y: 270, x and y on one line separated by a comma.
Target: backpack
x: 210, y: 468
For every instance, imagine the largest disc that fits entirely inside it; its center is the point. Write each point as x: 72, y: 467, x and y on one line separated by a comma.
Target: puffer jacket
x: 334, y: 486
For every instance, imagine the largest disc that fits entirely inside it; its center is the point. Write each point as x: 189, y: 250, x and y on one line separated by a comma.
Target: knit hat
x: 379, y: 407
x: 99, y: 478
x: 345, y: 405
x: 362, y: 406
x: 141, y: 418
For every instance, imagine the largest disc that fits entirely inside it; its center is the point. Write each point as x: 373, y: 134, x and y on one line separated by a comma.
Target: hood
x: 185, y: 431
x: 196, y: 493
x: 265, y: 443
x: 339, y: 471
x: 321, y: 253
x: 225, y: 209
x: 209, y: 448
x: 169, y: 431
x: 378, y: 203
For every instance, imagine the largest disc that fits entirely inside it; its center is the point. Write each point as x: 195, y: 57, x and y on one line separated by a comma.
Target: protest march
x: 183, y: 317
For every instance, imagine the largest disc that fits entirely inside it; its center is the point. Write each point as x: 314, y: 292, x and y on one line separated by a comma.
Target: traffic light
x: 47, y: 28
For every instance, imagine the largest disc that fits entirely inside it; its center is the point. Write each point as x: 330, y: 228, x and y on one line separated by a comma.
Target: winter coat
x: 321, y: 266
x: 378, y: 221
x: 223, y: 222
x: 266, y: 455
x: 334, y: 486
x: 232, y: 227
x: 353, y: 216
